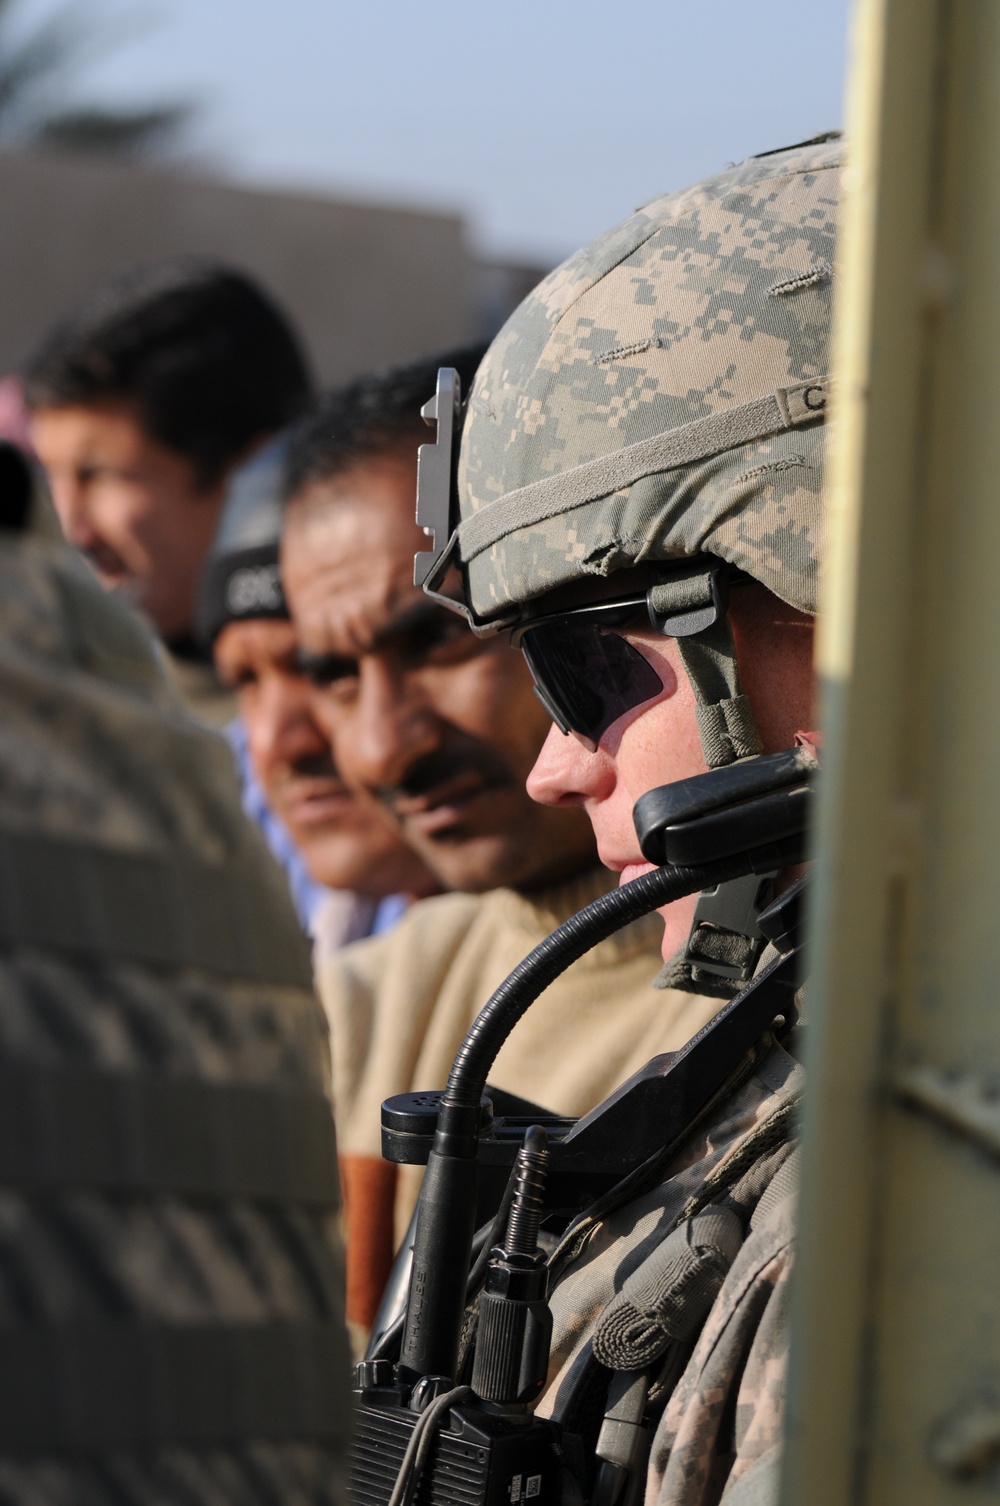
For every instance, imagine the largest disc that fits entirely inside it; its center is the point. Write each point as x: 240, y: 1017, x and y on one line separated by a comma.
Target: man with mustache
x: 443, y: 728
x: 349, y: 871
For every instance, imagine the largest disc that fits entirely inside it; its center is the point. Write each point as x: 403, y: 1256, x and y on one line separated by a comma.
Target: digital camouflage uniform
x: 723, y: 1419
x: 661, y: 395
x: 171, y: 1310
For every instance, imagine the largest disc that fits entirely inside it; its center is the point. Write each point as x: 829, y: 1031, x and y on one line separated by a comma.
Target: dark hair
x: 370, y: 417
x: 210, y: 362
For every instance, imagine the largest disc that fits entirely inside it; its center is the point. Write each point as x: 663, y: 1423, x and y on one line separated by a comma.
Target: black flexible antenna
x: 447, y: 1207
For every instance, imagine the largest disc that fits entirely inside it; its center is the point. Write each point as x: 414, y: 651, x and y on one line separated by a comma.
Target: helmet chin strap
x: 726, y: 723
x: 690, y: 606
x: 724, y: 941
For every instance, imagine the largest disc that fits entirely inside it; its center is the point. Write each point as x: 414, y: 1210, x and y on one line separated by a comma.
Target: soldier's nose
x: 565, y: 773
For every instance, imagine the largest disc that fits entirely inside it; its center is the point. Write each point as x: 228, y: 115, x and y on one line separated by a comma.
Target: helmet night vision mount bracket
x: 436, y: 462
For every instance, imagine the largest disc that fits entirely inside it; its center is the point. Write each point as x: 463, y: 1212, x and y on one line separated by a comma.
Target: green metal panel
x: 896, y: 1378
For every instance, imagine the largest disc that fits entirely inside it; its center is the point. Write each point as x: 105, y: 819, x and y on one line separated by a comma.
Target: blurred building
x: 367, y: 285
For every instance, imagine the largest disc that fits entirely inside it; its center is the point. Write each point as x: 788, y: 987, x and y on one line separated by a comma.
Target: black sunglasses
x: 586, y: 675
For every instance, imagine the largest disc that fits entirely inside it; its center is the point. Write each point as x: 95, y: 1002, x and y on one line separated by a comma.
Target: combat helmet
x: 650, y: 422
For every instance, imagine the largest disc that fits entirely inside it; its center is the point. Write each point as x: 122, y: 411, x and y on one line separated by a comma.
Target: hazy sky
x: 544, y: 121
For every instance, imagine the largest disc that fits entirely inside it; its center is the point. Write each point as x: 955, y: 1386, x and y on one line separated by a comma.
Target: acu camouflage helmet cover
x: 661, y: 394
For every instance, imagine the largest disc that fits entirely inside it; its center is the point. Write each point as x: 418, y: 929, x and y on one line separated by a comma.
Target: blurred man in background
x: 441, y: 727
x: 350, y: 873
x: 165, y: 1270
x: 143, y: 400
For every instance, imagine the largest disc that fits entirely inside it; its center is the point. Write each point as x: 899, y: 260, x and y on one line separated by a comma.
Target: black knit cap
x: 241, y: 579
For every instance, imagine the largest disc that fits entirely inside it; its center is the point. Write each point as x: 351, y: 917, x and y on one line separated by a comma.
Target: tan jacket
x: 399, y: 1004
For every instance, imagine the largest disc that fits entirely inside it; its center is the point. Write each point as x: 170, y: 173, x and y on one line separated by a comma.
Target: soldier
x: 643, y: 441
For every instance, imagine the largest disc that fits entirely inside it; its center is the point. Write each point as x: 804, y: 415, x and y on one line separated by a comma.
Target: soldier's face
x: 657, y: 742
x: 346, y: 841
x: 134, y: 507
x: 440, y: 726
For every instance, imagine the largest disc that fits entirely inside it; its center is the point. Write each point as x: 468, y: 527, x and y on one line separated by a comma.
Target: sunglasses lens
x: 589, y: 677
